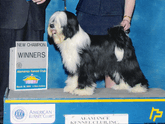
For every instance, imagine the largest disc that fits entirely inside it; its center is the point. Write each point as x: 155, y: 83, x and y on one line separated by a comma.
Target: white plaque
x: 97, y: 119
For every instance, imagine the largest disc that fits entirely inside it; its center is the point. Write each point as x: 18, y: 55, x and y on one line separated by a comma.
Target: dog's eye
x: 51, y: 25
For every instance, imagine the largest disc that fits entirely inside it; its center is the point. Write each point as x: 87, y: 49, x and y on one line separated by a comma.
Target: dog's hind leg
x: 131, y: 85
x: 71, y: 84
x: 120, y: 84
x: 138, y: 88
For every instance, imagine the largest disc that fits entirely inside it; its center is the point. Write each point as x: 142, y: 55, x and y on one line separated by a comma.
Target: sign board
x: 28, y: 66
x: 32, y: 113
x: 97, y: 119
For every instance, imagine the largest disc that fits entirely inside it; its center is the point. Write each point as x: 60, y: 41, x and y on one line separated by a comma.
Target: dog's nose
x: 51, y: 25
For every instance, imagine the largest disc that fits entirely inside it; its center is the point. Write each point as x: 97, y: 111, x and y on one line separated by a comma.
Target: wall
x: 147, y: 33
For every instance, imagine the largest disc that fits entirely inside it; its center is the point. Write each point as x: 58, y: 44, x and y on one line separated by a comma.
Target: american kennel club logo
x: 19, y: 114
x: 32, y: 113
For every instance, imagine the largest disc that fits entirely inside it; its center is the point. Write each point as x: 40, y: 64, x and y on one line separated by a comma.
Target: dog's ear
x: 68, y: 32
x: 49, y: 31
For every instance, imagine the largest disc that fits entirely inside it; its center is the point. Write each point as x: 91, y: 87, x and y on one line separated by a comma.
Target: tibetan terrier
x: 89, y: 58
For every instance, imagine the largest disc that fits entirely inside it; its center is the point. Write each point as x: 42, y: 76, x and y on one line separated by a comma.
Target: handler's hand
x: 38, y: 1
x: 126, y: 24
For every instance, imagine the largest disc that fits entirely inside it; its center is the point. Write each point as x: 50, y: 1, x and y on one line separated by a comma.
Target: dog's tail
x: 117, y: 33
x: 120, y: 36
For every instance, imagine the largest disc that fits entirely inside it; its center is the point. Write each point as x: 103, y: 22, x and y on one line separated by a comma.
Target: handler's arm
x: 128, y: 11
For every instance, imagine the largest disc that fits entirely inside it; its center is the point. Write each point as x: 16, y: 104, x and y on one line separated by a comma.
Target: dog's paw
x: 69, y: 89
x: 138, y: 89
x: 82, y: 92
x: 87, y: 91
x: 71, y: 84
x: 121, y: 86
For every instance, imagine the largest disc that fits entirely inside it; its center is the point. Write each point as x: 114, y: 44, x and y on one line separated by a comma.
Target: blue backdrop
x: 147, y: 34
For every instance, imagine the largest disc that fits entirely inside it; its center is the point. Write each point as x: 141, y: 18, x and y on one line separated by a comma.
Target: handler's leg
x: 109, y: 83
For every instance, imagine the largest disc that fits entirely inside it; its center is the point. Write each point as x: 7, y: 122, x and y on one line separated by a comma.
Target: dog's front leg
x: 86, y: 85
x: 71, y: 83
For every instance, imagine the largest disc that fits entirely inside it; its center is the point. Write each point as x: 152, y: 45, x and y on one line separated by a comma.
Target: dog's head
x: 62, y: 25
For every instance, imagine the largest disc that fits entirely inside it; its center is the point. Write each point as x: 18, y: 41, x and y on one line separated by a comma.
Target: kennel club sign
x: 97, y: 119
x: 28, y: 65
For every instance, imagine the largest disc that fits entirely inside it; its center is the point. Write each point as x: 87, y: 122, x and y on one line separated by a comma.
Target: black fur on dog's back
x: 99, y: 59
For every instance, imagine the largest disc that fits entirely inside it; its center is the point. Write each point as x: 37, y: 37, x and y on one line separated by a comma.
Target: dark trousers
x: 7, y: 40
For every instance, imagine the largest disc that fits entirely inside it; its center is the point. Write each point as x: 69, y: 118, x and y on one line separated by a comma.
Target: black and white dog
x: 88, y: 58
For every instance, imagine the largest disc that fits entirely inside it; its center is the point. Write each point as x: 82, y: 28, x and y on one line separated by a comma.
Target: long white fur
x: 138, y: 88
x: 71, y: 84
x: 124, y: 86
x: 85, y: 91
x: 119, y: 53
x: 70, y: 49
x: 61, y: 18
x: 116, y: 75
x: 71, y: 87
x: 58, y: 19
